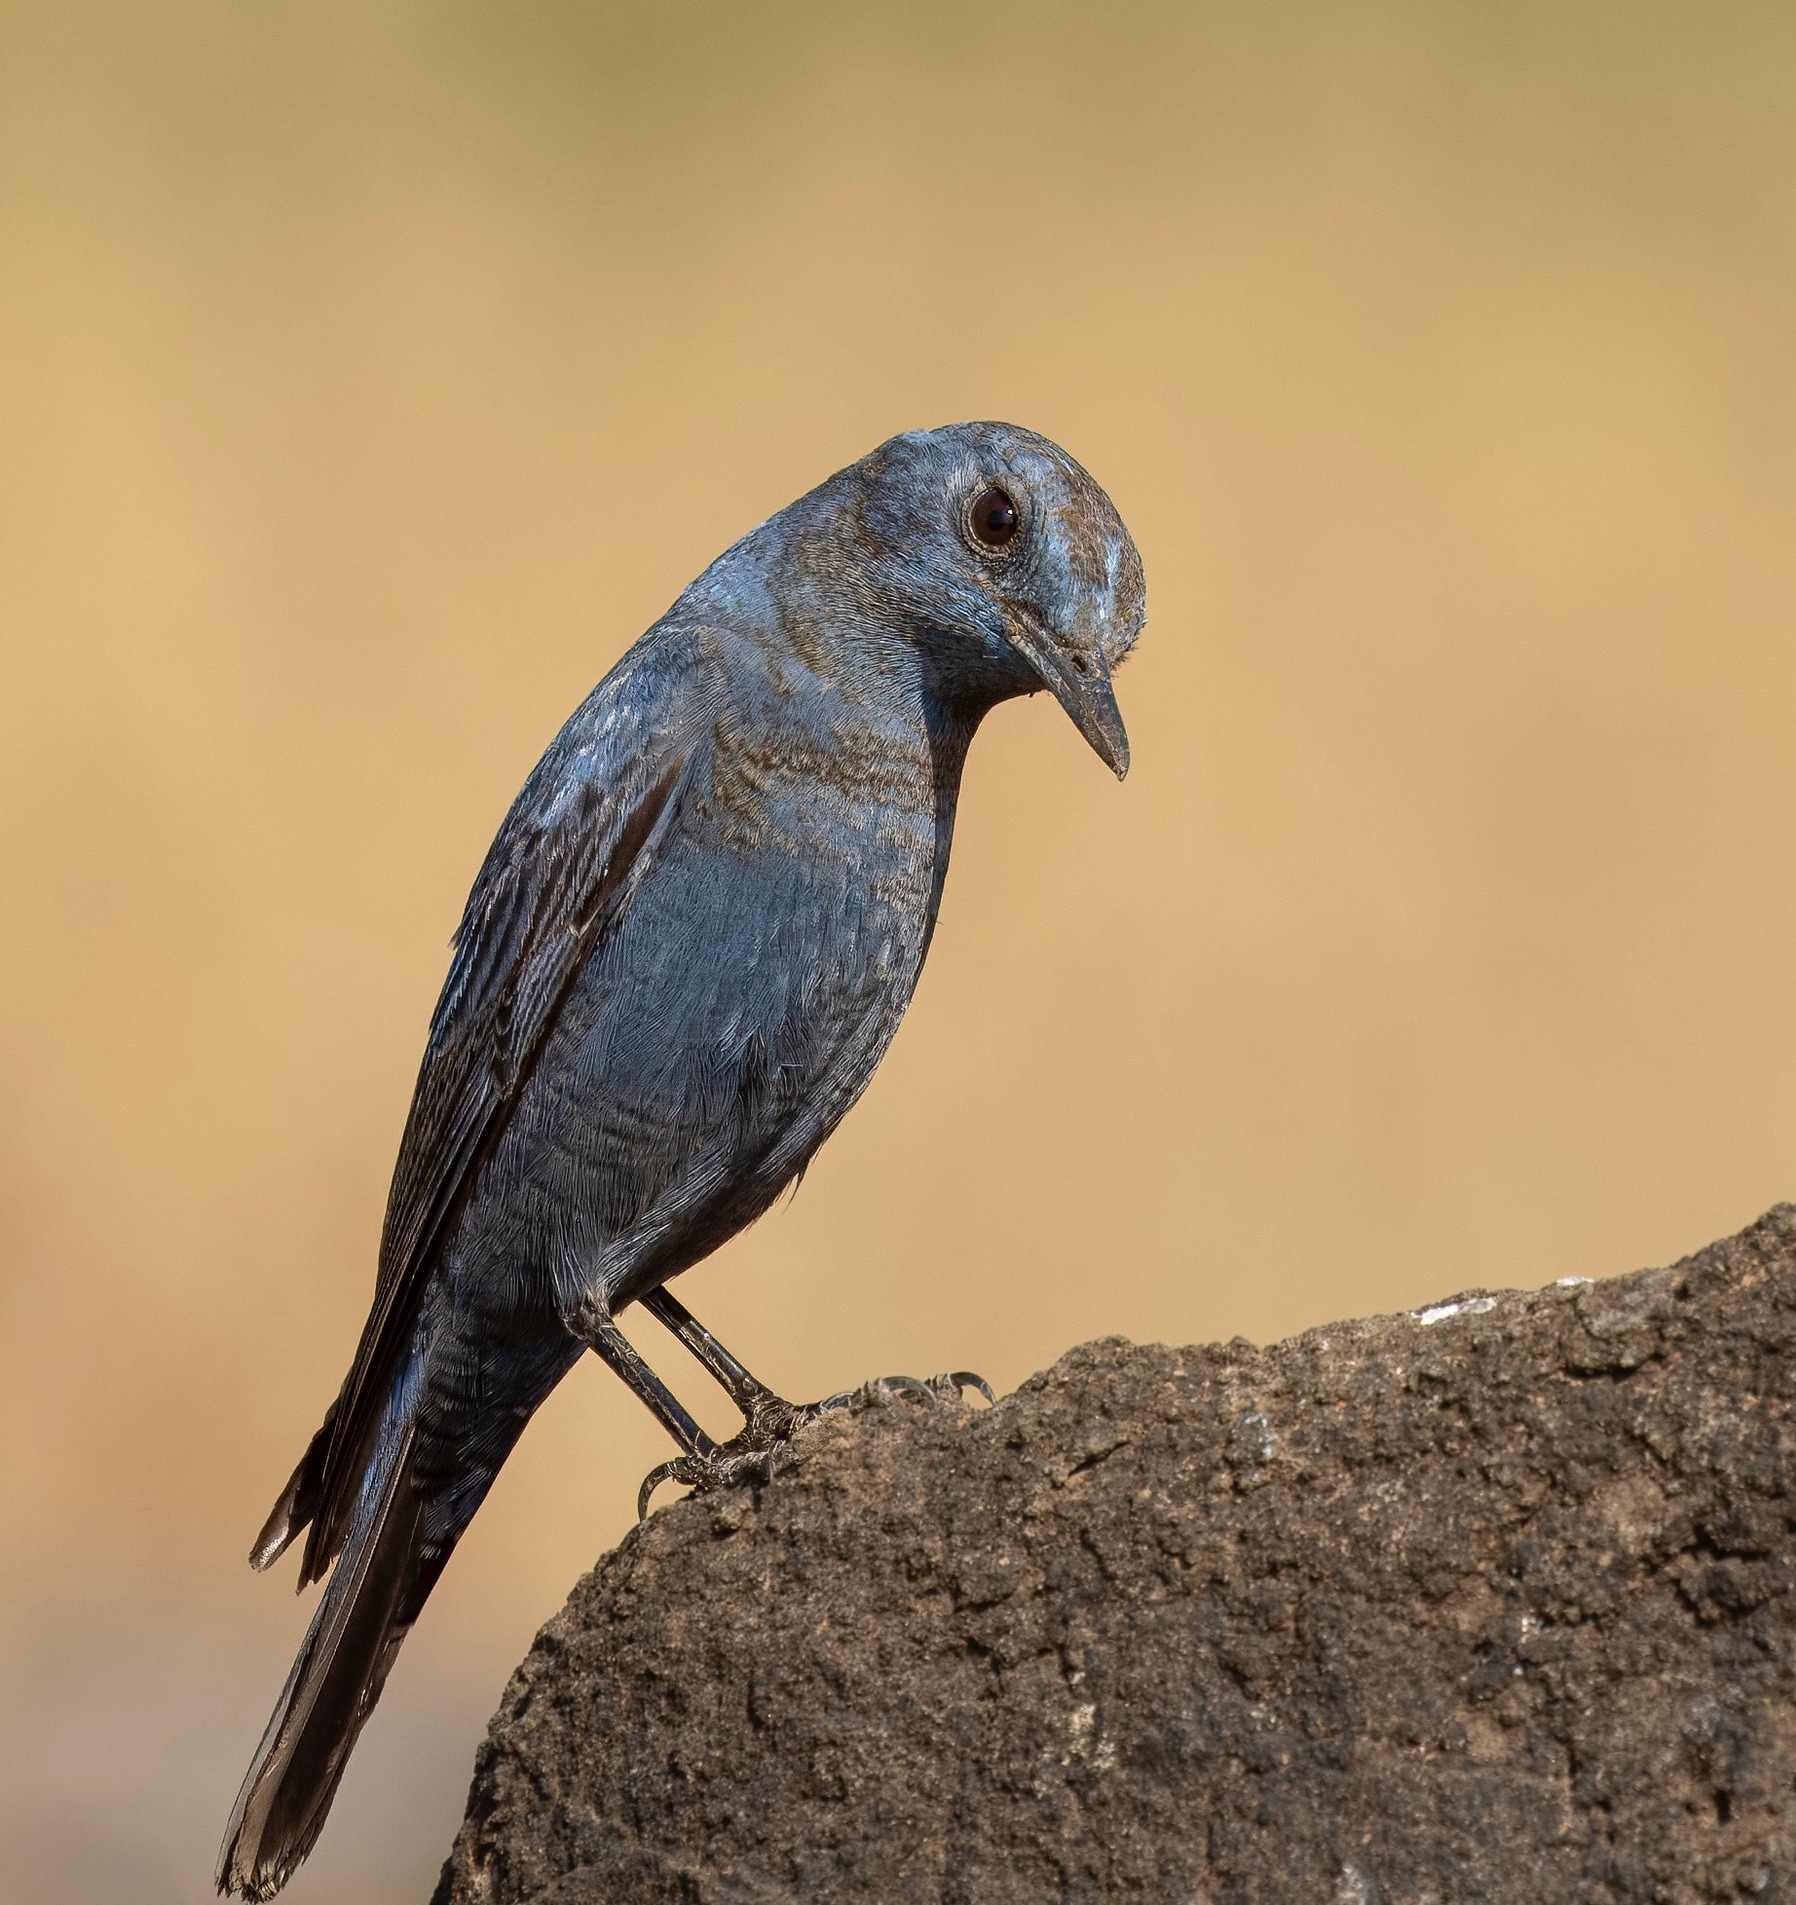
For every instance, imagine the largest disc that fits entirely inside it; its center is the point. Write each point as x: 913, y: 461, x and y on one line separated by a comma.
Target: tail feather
x: 373, y: 1596
x: 299, y: 1501
x: 451, y: 1417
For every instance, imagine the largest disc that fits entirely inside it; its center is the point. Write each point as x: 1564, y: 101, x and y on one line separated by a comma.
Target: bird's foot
x: 771, y: 1422
x: 950, y: 1386
x: 705, y: 1473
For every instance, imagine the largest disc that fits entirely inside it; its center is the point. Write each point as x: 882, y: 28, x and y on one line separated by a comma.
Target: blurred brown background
x: 371, y: 372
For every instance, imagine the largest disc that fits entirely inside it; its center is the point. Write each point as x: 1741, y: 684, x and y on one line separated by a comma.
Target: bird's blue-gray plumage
x: 684, y: 956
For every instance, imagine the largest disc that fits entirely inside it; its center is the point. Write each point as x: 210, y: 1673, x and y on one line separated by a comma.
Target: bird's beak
x: 1079, y: 678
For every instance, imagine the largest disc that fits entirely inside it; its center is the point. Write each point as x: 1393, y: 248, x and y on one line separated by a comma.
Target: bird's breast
x: 845, y: 789
x: 784, y: 924
x: 739, y: 1005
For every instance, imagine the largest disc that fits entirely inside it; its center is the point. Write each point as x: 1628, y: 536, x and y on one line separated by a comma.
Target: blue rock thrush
x: 685, y: 954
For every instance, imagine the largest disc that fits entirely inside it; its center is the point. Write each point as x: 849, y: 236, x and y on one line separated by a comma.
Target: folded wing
x: 565, y: 865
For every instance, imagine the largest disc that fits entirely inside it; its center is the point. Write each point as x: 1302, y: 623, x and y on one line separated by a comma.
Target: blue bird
x: 684, y: 956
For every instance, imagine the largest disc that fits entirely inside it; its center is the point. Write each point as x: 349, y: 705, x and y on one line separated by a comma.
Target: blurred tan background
x: 372, y: 372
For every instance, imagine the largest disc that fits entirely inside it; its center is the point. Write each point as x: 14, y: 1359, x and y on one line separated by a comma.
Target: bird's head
x: 993, y: 550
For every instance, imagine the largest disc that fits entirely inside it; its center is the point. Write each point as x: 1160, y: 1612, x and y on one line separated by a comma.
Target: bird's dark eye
x: 993, y: 519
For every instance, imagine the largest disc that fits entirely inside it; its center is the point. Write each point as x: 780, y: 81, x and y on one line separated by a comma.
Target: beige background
x: 371, y: 373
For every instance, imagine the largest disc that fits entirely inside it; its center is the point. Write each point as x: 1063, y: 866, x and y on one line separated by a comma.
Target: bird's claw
x: 953, y: 1384
x: 771, y: 1424
x: 746, y: 1457
x: 724, y: 1467
x: 950, y: 1386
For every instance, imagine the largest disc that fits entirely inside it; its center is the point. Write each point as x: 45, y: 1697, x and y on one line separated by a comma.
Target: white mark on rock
x: 1473, y: 1306
x: 1353, y: 1887
x: 1254, y: 1437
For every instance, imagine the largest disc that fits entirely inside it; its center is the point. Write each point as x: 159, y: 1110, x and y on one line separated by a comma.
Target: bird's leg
x: 618, y: 1354
x: 701, y: 1463
x: 769, y: 1421
x: 758, y: 1403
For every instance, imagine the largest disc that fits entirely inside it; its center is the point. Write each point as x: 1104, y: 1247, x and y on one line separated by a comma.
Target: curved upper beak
x: 1079, y: 679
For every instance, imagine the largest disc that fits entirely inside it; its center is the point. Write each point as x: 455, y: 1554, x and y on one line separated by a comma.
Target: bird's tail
x: 380, y: 1582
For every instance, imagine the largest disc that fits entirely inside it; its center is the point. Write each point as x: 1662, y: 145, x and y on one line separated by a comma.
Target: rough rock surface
x: 1494, y: 1602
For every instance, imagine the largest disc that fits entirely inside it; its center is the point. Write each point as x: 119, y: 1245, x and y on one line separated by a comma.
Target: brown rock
x: 1494, y: 1602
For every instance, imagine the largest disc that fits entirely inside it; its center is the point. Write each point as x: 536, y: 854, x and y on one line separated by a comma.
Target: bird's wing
x: 563, y: 869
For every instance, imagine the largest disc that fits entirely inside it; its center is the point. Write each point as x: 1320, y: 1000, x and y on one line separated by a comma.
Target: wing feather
x: 562, y: 870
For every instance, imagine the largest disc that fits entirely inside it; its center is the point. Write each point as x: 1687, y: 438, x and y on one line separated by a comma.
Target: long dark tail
x: 374, y: 1594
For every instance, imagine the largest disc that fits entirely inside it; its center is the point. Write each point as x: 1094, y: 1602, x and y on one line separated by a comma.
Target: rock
x: 1493, y: 1602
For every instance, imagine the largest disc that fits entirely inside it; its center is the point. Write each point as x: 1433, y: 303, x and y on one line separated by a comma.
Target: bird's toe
x: 725, y: 1467
x: 951, y: 1386
x: 751, y: 1455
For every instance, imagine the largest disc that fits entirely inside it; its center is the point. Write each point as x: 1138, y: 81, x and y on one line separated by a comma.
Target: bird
x: 684, y: 955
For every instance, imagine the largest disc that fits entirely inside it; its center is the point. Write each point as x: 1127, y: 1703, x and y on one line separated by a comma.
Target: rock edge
x: 1490, y: 1602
